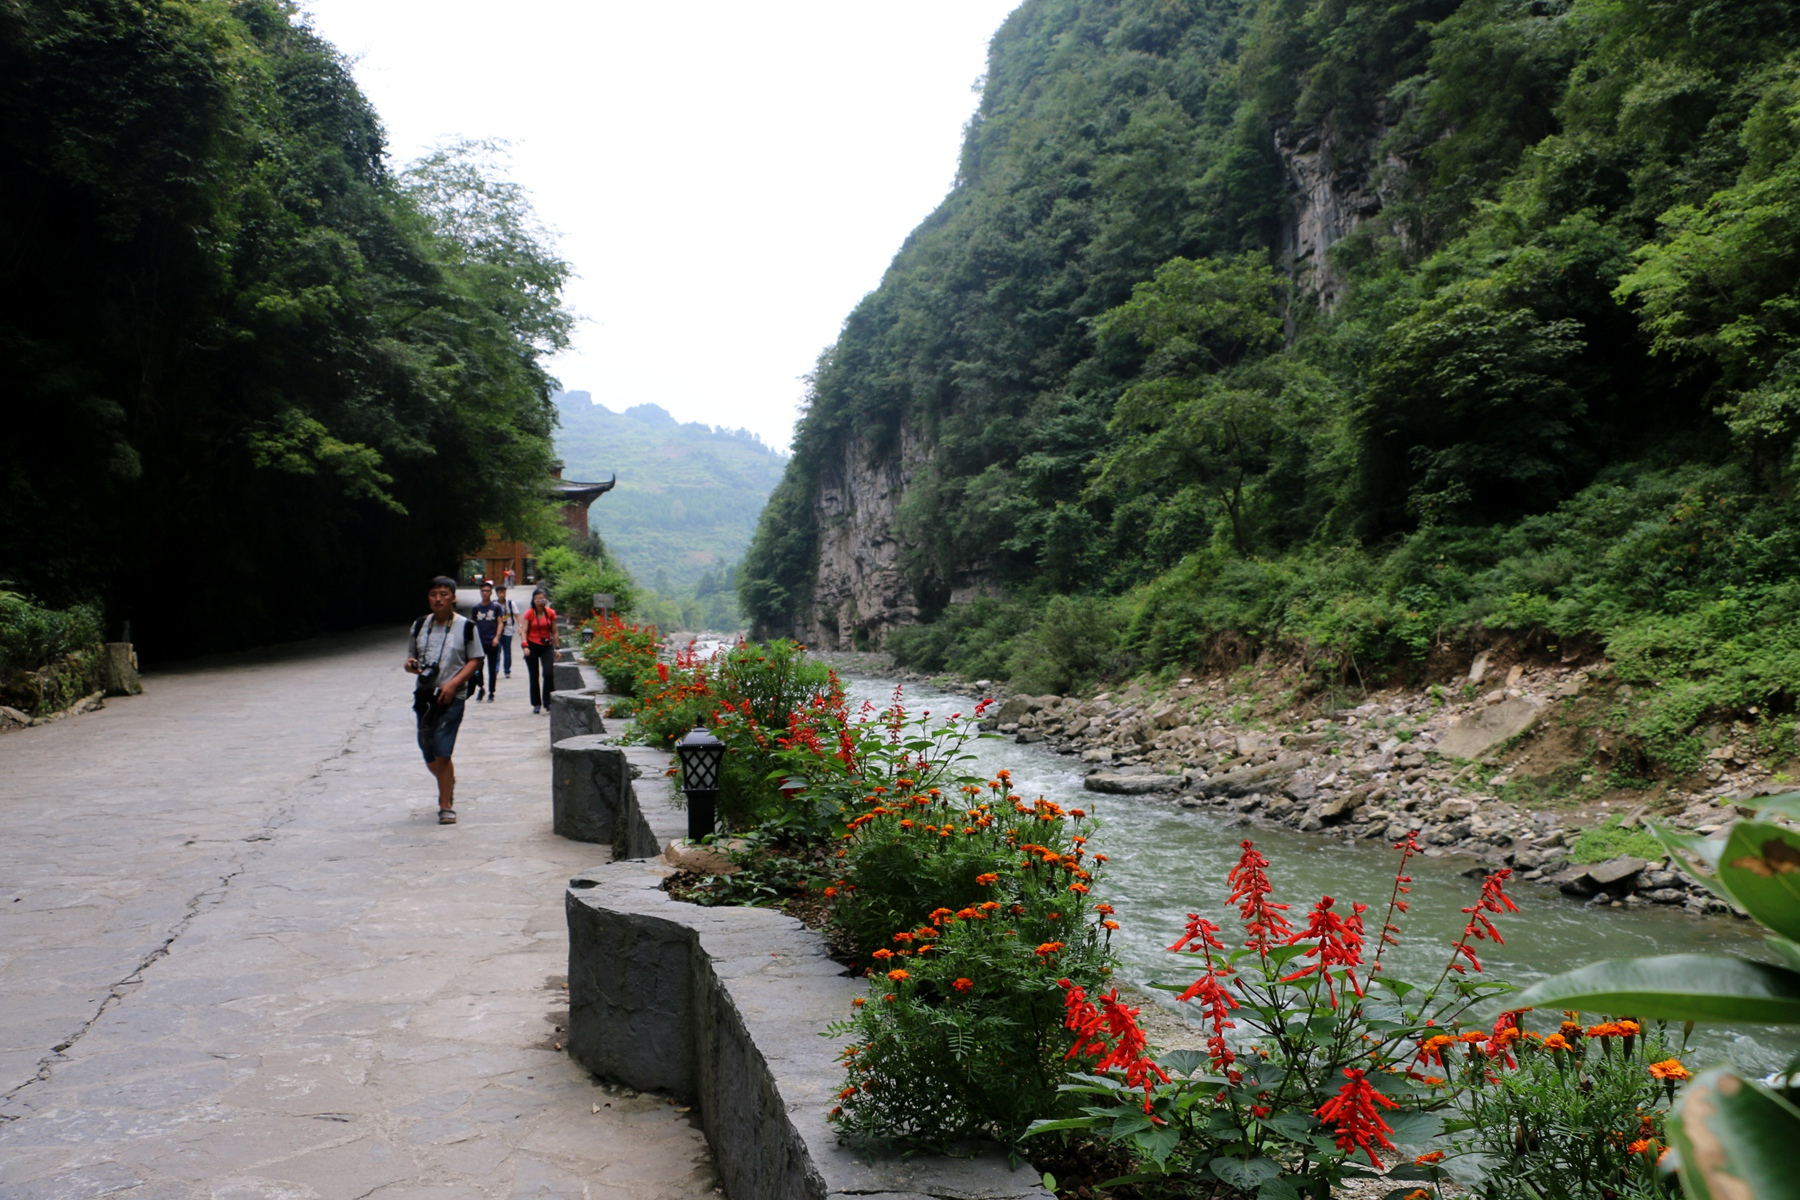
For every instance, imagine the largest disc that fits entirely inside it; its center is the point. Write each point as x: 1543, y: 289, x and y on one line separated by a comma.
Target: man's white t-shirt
x: 448, y: 646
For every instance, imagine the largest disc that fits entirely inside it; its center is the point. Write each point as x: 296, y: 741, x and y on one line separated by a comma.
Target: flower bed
x: 988, y: 1009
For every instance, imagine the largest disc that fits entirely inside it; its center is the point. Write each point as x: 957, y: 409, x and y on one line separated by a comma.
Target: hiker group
x: 454, y: 658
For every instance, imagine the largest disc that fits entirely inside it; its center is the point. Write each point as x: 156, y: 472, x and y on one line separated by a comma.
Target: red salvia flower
x: 1354, y: 1119
x: 1337, y: 943
x: 1110, y: 1032
x: 1479, y: 928
x: 1250, y: 888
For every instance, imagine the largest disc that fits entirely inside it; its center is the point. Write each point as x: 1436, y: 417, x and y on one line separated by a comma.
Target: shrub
x: 958, y: 1035
x: 575, y: 578
x: 622, y: 653
x: 1312, y: 1058
x: 49, y: 658
x: 1581, y: 1114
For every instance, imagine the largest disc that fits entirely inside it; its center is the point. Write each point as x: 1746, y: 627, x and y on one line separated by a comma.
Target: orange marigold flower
x: 1417, y: 1194
x: 938, y: 914
x: 1471, y: 1035
x: 889, y: 997
x: 989, y: 906
x: 858, y: 1002
x: 1629, y: 1028
x: 1669, y: 1070
x: 1110, y: 924
x: 1049, y: 948
x: 883, y: 953
x: 963, y: 984
x: 1426, y: 1160
x: 987, y: 879
x: 830, y: 892
x: 903, y: 937
x: 1572, y: 1029
x: 905, y: 823
x: 1077, y: 813
x: 897, y: 975
x: 1642, y: 1145
x: 1555, y: 1042
x: 1080, y: 888
x: 1104, y: 909
x: 846, y: 1093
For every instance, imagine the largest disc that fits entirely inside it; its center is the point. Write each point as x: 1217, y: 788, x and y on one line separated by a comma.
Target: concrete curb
x: 727, y: 1009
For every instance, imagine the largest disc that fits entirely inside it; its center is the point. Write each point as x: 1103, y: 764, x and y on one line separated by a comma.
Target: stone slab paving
x: 239, y: 960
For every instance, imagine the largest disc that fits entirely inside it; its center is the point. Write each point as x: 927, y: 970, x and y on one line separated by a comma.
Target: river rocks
x: 1246, y: 779
x: 1130, y: 785
x: 1613, y: 877
x: 1485, y: 728
x: 1385, y: 769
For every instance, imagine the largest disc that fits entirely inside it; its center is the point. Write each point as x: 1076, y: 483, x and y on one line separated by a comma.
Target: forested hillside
x: 258, y: 384
x: 688, y: 494
x: 1353, y: 328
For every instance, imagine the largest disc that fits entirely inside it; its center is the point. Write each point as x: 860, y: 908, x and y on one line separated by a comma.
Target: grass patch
x: 1607, y: 840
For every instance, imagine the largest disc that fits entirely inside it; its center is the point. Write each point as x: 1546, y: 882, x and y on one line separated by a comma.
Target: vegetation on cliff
x: 1547, y: 383
x: 238, y: 347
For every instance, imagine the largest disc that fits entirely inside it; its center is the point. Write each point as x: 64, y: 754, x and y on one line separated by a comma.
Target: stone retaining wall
x: 724, y: 1008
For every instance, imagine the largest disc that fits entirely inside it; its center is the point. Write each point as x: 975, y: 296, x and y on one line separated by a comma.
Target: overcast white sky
x: 728, y: 178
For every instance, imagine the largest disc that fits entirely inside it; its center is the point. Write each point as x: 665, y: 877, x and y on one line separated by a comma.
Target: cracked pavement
x: 240, y: 960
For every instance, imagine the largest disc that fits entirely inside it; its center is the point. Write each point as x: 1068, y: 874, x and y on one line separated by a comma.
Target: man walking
x: 443, y: 653
x: 509, y: 619
x: 488, y: 616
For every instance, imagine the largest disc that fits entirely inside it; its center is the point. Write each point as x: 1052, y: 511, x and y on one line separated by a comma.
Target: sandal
x: 446, y: 816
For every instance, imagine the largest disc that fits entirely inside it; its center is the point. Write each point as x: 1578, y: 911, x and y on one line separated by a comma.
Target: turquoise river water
x: 1166, y: 862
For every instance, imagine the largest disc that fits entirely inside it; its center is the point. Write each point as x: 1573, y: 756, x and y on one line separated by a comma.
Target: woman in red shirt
x: 540, y: 648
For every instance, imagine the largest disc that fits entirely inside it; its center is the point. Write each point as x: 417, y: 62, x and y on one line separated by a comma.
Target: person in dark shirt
x: 489, y: 617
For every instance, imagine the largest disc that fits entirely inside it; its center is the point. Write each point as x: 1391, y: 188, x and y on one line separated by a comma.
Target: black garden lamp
x: 702, y: 759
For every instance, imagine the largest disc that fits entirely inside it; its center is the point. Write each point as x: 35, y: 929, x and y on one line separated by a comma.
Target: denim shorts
x: 437, y: 729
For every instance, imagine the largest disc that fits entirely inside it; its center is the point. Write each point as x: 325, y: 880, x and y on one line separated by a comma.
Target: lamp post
x: 702, y: 758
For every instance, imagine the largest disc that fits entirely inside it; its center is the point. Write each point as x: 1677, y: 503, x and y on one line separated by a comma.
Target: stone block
x: 575, y: 713
x: 590, y: 785
x: 121, y: 670
x: 1254, y: 778
x: 1130, y: 785
x: 1474, y: 735
x: 725, y: 1008
x: 568, y: 676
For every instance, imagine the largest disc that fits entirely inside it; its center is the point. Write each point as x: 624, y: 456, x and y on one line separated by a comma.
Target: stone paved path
x: 239, y: 959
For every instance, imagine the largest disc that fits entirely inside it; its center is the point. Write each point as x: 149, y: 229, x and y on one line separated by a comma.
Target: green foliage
x: 1597, y: 843
x: 1548, y: 384
x: 49, y: 658
x: 224, y: 314
x: 1314, y: 1058
x: 575, y: 579
x: 1579, y: 1118
x: 623, y: 653
x: 959, y: 1035
x: 1734, y: 1135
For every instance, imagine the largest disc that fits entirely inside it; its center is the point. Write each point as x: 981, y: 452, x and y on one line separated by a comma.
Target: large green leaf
x: 1785, y: 805
x: 1694, y: 854
x: 1675, y: 987
x: 1245, y: 1176
x: 1737, y: 1140
x: 1761, y: 866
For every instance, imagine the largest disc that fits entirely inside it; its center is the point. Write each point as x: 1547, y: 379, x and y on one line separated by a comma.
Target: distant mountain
x: 688, y: 494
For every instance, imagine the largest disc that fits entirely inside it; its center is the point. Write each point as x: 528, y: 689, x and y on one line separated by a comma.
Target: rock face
x: 860, y: 590
x: 1485, y: 728
x: 1330, y: 191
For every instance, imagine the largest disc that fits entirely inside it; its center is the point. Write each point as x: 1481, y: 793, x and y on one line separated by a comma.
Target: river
x: 1166, y: 861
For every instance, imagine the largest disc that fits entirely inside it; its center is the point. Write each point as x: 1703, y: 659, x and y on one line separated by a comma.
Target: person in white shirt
x: 444, y: 653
